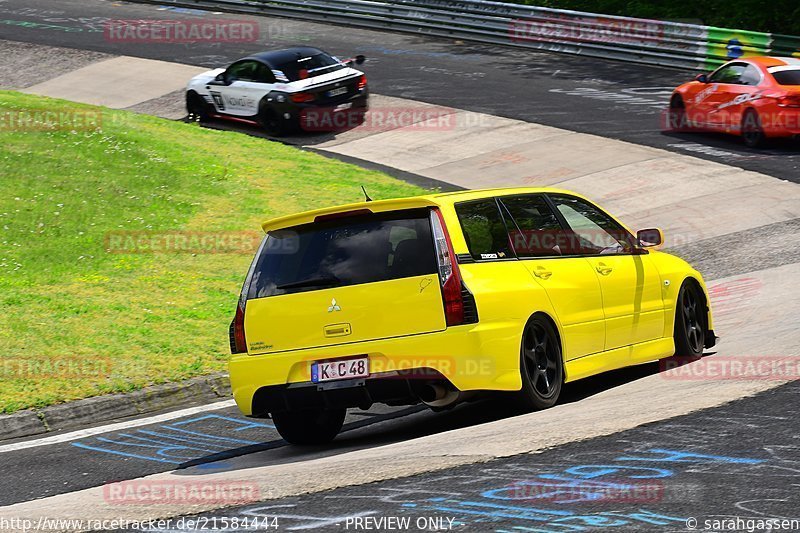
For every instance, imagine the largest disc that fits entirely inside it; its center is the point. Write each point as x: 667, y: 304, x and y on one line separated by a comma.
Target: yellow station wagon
x: 437, y: 298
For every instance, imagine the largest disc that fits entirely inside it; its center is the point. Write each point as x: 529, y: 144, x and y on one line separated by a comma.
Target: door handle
x: 603, y: 269
x: 542, y: 273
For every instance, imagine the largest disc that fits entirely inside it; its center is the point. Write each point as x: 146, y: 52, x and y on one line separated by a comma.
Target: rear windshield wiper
x: 312, y: 282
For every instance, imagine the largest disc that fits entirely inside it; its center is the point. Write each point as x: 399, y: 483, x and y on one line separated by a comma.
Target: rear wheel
x: 541, y: 365
x: 689, y: 331
x: 309, y: 426
x: 752, y: 130
x: 270, y: 121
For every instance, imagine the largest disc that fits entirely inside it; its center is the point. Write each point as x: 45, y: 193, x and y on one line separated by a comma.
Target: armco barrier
x: 653, y: 42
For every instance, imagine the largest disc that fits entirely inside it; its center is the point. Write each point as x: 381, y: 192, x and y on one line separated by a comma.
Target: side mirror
x: 702, y: 78
x: 221, y: 78
x: 360, y: 59
x: 650, y: 238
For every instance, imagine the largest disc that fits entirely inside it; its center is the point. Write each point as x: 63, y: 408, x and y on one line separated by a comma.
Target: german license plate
x: 337, y: 92
x: 342, y: 369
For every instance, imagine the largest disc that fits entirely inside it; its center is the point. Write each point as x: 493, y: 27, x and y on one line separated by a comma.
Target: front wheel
x: 676, y: 115
x: 309, y: 426
x: 752, y: 129
x: 689, y: 333
x: 541, y: 366
x: 197, y: 107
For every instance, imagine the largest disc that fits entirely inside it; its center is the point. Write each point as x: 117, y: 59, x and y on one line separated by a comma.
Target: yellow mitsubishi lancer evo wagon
x: 436, y: 298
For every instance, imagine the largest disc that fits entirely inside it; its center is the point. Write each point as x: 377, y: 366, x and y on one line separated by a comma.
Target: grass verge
x: 80, y: 320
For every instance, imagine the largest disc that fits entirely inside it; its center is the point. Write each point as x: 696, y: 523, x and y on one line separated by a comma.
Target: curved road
x: 607, y: 98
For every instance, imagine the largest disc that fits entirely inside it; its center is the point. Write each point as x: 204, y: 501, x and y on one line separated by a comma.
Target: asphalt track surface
x: 212, y: 437
x: 608, y: 98
x: 739, y: 461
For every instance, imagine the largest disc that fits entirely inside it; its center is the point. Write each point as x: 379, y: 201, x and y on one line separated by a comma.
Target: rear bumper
x: 470, y: 357
x: 322, y: 118
x: 781, y: 122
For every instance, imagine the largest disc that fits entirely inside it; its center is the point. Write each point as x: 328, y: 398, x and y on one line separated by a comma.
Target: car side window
x: 241, y: 71
x: 592, y: 231
x: 263, y: 74
x: 750, y: 76
x: 728, y: 74
x: 484, y: 229
x: 533, y: 227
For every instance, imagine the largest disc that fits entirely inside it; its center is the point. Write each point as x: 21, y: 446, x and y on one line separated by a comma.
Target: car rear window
x: 787, y: 77
x: 307, y: 67
x: 346, y: 251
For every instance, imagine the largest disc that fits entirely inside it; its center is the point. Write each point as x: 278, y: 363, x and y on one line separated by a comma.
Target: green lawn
x: 78, y: 320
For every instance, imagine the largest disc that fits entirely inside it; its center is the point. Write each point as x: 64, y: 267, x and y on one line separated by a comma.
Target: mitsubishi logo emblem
x: 334, y: 306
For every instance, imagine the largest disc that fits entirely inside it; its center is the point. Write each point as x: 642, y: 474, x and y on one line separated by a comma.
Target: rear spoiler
x: 377, y: 206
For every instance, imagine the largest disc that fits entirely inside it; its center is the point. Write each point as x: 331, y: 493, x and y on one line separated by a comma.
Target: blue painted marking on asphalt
x: 585, y: 477
x: 124, y: 454
x: 179, y: 441
x: 676, y: 456
x: 216, y: 465
x: 244, y: 423
x: 586, y: 471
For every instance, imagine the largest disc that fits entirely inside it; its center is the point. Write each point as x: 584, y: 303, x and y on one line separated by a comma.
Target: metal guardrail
x: 653, y: 42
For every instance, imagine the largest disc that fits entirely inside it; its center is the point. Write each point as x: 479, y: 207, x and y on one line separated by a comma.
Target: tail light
x: 449, y: 275
x: 236, y: 334
x: 237, y: 337
x: 300, y: 98
x: 790, y: 100
x: 362, y: 82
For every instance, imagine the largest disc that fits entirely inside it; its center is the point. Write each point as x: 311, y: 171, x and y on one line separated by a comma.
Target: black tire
x: 690, y: 329
x: 308, y: 427
x: 541, y: 365
x: 197, y: 107
x: 676, y: 115
x: 752, y: 130
x: 270, y: 122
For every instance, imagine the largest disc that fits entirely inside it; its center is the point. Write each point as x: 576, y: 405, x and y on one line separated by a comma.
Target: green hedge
x: 776, y: 16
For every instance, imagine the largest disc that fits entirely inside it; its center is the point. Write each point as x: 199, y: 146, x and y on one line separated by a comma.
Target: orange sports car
x: 757, y: 98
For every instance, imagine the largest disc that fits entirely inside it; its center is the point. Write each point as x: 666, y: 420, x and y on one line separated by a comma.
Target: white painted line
x: 75, y: 435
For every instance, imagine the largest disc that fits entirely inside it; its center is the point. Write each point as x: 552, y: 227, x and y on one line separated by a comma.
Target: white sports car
x: 300, y: 88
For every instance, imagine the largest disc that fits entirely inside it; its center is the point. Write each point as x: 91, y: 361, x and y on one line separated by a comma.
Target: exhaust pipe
x: 437, y: 395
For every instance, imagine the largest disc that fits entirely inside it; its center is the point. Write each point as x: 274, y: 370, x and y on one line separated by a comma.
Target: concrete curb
x: 90, y: 411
